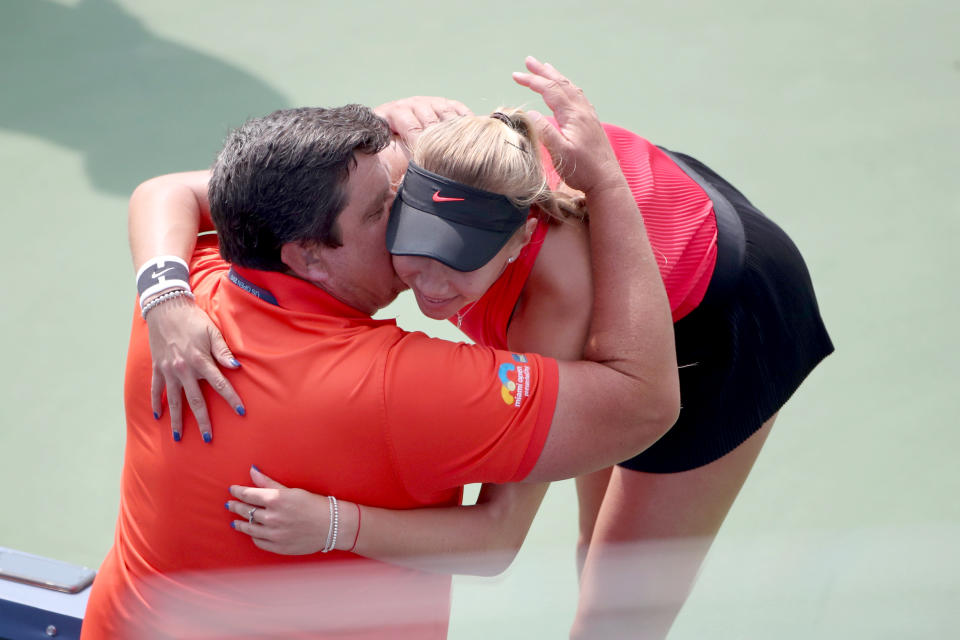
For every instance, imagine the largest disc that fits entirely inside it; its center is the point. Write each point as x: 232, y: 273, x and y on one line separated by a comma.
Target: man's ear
x: 305, y: 261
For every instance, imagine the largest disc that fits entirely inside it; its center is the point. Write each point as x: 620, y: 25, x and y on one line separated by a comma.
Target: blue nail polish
x: 255, y: 468
x: 226, y: 505
x: 234, y: 362
x: 233, y: 524
x: 176, y: 436
x: 156, y: 416
x: 207, y: 437
x: 241, y: 411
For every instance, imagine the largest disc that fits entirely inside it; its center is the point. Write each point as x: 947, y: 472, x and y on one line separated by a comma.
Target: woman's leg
x: 590, y: 491
x: 651, y: 536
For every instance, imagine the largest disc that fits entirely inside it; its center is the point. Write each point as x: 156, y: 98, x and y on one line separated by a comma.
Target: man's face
x: 360, y: 270
x: 395, y: 157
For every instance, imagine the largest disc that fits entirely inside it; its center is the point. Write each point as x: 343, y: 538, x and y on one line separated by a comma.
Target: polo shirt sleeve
x: 459, y: 413
x: 206, y: 263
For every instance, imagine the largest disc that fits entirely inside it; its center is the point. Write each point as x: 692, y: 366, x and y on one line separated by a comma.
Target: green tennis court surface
x: 839, y: 119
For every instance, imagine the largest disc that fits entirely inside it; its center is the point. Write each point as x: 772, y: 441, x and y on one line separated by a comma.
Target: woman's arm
x: 552, y: 318
x: 164, y: 217
x: 481, y: 539
x: 167, y: 212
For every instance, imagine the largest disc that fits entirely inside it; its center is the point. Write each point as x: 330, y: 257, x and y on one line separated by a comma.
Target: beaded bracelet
x: 331, y: 542
x: 164, y: 297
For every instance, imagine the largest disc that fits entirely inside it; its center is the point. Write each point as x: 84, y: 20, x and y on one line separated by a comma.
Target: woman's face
x: 442, y: 291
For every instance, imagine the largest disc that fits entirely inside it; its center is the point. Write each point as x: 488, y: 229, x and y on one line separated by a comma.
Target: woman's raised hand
x: 579, y: 148
x: 186, y: 347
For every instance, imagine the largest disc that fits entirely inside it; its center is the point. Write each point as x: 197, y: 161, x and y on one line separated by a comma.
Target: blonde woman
x: 485, y: 234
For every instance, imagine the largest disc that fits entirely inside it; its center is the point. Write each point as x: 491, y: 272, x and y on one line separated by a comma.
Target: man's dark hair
x: 281, y: 178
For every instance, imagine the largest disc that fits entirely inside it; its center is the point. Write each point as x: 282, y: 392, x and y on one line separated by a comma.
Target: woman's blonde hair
x: 498, y: 153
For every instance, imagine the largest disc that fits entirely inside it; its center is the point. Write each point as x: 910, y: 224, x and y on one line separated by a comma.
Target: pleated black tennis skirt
x: 745, y: 350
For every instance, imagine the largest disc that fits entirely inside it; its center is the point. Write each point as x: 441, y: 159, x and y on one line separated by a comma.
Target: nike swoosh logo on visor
x: 439, y: 198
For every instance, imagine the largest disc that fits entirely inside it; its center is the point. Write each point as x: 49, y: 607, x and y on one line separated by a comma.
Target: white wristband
x: 162, y: 273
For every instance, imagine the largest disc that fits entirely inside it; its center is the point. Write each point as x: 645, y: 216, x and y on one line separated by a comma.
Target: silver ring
x: 250, y: 514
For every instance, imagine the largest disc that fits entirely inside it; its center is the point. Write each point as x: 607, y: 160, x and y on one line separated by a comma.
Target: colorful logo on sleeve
x: 514, y: 380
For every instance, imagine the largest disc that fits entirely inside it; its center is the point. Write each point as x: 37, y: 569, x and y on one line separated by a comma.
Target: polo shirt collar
x: 290, y: 293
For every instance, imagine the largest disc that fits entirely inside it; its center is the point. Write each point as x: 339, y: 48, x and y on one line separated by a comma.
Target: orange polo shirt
x: 336, y: 403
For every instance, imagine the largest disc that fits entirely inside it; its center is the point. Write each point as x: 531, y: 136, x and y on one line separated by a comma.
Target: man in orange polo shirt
x: 340, y: 404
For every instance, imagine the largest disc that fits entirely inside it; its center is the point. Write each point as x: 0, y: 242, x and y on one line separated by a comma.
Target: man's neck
x: 353, y: 301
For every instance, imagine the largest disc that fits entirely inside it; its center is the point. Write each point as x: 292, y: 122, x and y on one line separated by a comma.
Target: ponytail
x: 556, y: 206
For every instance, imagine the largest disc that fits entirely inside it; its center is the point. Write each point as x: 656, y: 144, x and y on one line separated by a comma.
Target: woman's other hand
x: 186, y: 348
x: 580, y: 150
x: 288, y: 521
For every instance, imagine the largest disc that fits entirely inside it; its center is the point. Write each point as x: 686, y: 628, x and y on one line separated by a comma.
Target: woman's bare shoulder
x: 563, y: 264
x: 553, y: 314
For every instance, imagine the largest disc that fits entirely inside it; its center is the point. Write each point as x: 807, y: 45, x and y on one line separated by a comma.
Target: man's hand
x: 580, y: 149
x: 186, y: 347
x: 410, y: 116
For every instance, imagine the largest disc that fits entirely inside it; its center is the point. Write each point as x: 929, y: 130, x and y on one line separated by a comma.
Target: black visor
x: 460, y: 226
